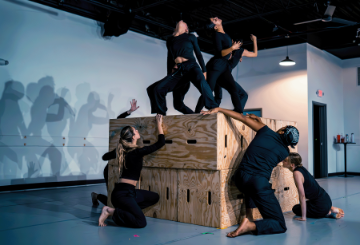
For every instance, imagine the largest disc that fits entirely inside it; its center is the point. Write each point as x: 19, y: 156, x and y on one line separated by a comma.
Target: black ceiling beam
x: 152, y: 5
x: 262, y: 14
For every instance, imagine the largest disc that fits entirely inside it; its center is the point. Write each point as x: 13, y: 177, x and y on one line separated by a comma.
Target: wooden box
x: 192, y: 172
x: 210, y: 142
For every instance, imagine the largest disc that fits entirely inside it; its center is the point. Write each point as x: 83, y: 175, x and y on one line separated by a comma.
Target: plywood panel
x: 163, y: 182
x: 113, y: 177
x: 178, y: 129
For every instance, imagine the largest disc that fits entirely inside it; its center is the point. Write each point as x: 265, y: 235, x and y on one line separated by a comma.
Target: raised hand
x: 253, y: 38
x: 133, y: 105
x: 236, y: 45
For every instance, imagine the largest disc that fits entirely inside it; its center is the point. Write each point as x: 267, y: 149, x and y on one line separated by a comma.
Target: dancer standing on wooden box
x: 128, y: 201
x: 183, y: 67
x: 265, y: 151
x: 319, y: 204
x: 108, y: 156
x: 227, y: 56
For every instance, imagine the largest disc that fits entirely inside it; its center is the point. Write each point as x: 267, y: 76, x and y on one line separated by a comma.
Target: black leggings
x: 128, y: 203
x: 219, y: 72
x: 258, y: 193
x: 186, y: 72
x: 102, y: 198
x: 315, y: 209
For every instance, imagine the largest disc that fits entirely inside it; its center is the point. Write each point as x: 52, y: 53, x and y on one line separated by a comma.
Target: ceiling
x: 272, y: 21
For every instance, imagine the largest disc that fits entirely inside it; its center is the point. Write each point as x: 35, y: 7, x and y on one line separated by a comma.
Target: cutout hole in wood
x: 149, y: 187
x: 225, y: 141
x: 209, y: 197
x: 242, y: 139
x: 286, y: 188
x: 146, y: 141
x: 188, y: 195
x: 191, y: 141
x: 167, y: 193
x: 168, y: 141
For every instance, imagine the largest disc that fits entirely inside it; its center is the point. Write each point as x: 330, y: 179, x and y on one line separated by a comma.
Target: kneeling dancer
x: 319, y: 204
x: 128, y: 201
x: 265, y: 151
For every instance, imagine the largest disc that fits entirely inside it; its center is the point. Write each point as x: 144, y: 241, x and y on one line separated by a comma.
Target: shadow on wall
x: 44, y: 158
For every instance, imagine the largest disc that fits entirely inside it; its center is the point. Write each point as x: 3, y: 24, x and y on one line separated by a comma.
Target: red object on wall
x: 320, y: 93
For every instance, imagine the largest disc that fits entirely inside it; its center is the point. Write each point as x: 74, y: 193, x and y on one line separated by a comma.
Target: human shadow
x: 12, y: 129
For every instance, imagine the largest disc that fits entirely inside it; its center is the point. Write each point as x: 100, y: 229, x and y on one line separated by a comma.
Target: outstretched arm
x: 133, y: 108
x: 247, y: 53
x: 299, y: 181
x: 251, y: 121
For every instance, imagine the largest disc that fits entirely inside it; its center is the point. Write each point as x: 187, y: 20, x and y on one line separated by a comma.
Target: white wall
x: 280, y: 91
x: 352, y: 111
x: 59, y: 61
x: 325, y: 73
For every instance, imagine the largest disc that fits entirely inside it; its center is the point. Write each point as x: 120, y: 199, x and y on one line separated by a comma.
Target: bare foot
x: 245, y: 226
x: 94, y: 199
x: 337, y: 210
x: 106, y: 211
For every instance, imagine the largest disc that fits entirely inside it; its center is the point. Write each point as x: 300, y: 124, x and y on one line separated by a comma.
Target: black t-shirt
x: 184, y: 46
x: 313, y: 190
x: 223, y: 41
x: 263, y: 154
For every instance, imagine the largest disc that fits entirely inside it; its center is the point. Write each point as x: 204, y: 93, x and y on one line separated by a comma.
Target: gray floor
x: 65, y: 216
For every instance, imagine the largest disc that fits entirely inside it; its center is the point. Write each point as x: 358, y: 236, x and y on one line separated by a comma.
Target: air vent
x: 358, y: 76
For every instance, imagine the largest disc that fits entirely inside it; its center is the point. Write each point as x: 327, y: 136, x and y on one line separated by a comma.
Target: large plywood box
x: 210, y: 142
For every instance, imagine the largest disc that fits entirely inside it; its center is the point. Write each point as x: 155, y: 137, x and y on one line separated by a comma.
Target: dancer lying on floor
x: 265, y: 151
x: 128, y: 201
x: 319, y: 204
x: 108, y: 156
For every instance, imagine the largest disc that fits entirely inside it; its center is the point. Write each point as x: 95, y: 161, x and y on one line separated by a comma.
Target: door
x: 320, y: 140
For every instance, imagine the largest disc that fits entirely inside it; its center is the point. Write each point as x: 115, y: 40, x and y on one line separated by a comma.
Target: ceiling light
x: 287, y: 61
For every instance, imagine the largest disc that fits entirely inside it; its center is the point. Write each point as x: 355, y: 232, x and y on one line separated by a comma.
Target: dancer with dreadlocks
x: 265, y: 151
x: 128, y: 201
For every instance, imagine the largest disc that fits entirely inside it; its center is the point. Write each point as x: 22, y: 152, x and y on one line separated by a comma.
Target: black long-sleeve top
x: 184, y: 46
x: 222, y: 41
x: 134, y: 159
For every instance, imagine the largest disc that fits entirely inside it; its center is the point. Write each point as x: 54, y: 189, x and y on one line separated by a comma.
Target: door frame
x: 324, y: 131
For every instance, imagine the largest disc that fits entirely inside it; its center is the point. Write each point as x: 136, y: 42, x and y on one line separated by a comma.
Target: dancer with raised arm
x: 227, y: 56
x: 182, y: 68
x: 265, y: 151
x: 319, y: 204
x: 128, y: 201
x: 111, y: 155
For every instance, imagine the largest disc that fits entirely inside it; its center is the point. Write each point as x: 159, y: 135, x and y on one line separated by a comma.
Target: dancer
x: 227, y: 56
x: 319, y: 204
x: 265, y: 151
x: 182, y: 63
x: 108, y: 156
x: 127, y: 201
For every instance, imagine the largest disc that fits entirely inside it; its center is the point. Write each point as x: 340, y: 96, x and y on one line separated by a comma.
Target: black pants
x: 258, y: 193
x: 219, y: 72
x: 186, y: 72
x: 315, y: 208
x: 128, y: 203
x: 102, y: 198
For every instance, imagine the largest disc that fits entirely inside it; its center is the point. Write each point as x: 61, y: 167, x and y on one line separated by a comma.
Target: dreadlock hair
x: 124, y: 146
x: 296, y: 159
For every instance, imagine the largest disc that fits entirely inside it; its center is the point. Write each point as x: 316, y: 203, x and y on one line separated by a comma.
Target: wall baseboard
x: 341, y: 173
x: 49, y: 185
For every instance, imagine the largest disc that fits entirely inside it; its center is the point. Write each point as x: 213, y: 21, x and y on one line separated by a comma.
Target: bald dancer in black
x: 184, y: 69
